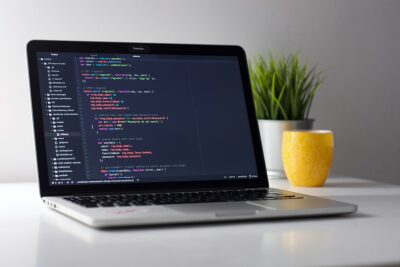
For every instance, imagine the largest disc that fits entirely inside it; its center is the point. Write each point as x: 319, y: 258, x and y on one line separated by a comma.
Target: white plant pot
x: 271, y: 137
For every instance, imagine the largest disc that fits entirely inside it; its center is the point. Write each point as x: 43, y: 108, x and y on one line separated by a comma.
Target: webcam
x: 139, y: 48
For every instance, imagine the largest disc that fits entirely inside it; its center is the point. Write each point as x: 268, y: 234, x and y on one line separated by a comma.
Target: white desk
x: 32, y: 235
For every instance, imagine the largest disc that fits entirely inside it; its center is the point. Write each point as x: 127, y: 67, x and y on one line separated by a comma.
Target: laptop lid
x: 129, y: 117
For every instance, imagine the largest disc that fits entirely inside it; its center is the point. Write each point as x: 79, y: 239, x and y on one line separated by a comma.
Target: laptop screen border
x: 35, y: 46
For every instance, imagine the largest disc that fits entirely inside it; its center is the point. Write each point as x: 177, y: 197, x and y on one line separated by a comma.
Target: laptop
x: 136, y: 134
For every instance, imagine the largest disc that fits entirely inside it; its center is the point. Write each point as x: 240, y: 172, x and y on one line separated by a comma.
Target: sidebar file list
x: 62, y: 128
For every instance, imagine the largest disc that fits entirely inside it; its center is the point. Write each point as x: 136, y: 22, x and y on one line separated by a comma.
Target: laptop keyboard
x: 179, y: 198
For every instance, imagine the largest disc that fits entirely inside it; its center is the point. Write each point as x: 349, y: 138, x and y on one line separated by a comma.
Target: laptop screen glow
x: 112, y: 118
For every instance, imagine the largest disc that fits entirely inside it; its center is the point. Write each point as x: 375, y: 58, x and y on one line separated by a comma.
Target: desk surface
x: 33, y: 235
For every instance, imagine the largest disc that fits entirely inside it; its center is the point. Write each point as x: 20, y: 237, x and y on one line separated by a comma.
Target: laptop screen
x: 123, y: 118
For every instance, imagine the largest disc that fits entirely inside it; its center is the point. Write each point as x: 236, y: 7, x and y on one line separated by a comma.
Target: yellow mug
x: 307, y: 156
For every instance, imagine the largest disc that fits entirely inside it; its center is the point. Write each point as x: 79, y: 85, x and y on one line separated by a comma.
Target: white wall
x: 357, y: 40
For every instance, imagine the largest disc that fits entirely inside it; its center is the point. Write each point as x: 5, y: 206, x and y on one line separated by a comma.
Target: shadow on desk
x: 352, y: 184
x: 390, y: 264
x: 245, y: 223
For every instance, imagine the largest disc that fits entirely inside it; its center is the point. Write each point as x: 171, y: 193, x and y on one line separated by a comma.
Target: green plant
x: 283, y: 88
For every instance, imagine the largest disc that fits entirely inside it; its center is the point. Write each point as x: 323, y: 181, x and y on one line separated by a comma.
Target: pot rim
x: 309, y: 131
x: 285, y: 120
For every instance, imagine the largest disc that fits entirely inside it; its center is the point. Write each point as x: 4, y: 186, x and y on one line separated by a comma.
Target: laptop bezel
x: 156, y: 48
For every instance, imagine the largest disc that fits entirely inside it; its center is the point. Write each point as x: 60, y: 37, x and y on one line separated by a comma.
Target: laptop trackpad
x: 219, y: 209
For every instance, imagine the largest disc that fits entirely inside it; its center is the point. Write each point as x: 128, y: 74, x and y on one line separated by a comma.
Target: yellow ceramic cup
x: 307, y: 156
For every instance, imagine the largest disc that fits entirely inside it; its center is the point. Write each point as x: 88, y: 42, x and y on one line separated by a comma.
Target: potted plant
x: 283, y: 90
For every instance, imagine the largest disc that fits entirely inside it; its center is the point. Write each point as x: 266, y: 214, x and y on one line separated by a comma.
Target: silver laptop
x: 133, y: 134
